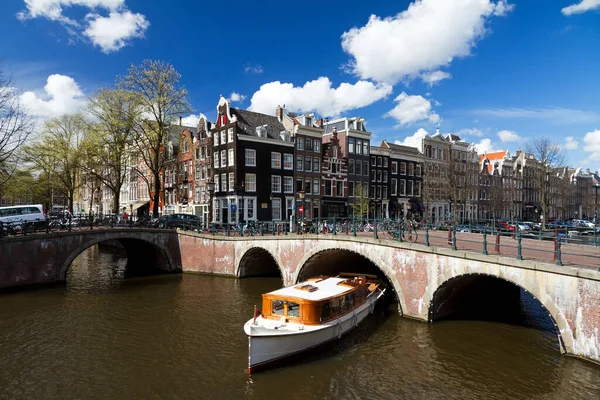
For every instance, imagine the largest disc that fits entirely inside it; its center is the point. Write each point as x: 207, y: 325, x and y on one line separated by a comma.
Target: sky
x: 499, y: 73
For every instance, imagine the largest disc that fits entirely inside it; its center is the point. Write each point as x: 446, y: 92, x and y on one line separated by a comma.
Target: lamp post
x: 301, y: 210
x: 131, y: 213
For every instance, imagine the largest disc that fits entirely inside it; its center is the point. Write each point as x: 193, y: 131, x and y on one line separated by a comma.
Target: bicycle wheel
x: 409, y: 234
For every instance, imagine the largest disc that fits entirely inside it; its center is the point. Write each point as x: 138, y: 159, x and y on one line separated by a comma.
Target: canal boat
x: 297, y: 318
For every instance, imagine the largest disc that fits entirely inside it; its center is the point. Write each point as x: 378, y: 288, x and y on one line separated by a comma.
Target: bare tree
x: 549, y: 156
x: 15, y: 127
x: 162, y: 101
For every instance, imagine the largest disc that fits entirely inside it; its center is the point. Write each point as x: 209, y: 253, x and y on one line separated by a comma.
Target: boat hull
x: 268, y: 345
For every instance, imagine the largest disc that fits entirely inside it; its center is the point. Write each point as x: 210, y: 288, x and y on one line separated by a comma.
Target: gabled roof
x: 248, y: 121
x: 491, y: 157
x: 399, y: 148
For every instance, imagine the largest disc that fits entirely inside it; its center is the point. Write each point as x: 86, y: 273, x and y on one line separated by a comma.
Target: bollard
x: 375, y: 230
x: 212, y: 228
x: 497, y: 246
x: 353, y: 227
x: 558, y: 254
x: 227, y: 229
x: 450, y: 235
x: 453, y: 238
x: 485, y: 252
x: 284, y: 230
x: 334, y: 226
x: 555, y: 244
x: 426, y: 234
x: 273, y: 229
x: 519, y: 249
x: 241, y: 230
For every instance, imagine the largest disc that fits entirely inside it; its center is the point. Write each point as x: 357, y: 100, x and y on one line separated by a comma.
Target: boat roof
x: 325, y: 288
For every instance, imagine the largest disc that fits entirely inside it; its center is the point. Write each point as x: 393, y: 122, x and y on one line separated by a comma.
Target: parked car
x: 179, y: 221
x: 503, y: 226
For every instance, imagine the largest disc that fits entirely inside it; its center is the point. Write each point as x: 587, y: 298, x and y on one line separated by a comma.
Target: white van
x: 28, y: 213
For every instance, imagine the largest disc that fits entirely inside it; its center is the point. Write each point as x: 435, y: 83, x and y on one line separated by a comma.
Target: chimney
x: 334, y: 132
x: 320, y: 122
x: 279, y: 113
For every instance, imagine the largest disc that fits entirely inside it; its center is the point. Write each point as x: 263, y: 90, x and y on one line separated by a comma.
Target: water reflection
x: 99, y: 269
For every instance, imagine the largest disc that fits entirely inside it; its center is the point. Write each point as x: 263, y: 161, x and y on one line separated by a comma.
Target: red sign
x: 301, y: 209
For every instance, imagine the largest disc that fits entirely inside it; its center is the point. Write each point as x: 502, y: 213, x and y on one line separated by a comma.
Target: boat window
x: 293, y: 309
x: 325, y: 311
x: 344, y: 305
x: 350, y: 301
x: 335, y: 306
x: 277, y: 307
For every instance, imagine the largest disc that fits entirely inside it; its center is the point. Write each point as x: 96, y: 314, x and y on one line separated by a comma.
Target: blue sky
x: 496, y: 72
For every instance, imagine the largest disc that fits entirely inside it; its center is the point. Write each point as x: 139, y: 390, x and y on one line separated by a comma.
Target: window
x: 317, y: 146
x: 275, y: 160
x: 250, y: 183
x: 350, y: 145
x: 223, y: 158
x: 333, y: 167
x: 276, y: 207
x: 328, y: 187
x: 230, y: 157
x: 358, y: 167
x: 385, y: 162
x: 230, y: 135
x: 216, y: 158
x: 316, y: 186
x: 309, y: 145
x: 250, y: 208
x: 250, y: 158
x: 350, y: 189
x: 307, y: 187
x: 231, y: 181
x: 216, y: 137
x: 358, y: 149
x: 417, y: 192
x: 288, y: 184
x: 351, y: 167
x: 373, y: 176
x: 223, y: 182
x: 196, y: 172
x: 378, y: 175
x: 385, y: 192
x: 409, y: 188
x: 418, y: 170
x: 402, y: 168
x: 288, y: 161
x: 373, y: 161
x: 385, y: 176
x: 379, y: 161
x: 223, y: 136
x: 186, y: 145
x: 339, y: 188
x: 276, y: 184
x: 300, y: 144
x: 308, y: 164
x: 411, y: 169
x: 378, y: 192
x: 402, y: 188
x: 365, y: 148
x: 202, y: 152
x: 395, y: 167
x: 299, y: 163
x: 365, y: 168
x: 316, y: 164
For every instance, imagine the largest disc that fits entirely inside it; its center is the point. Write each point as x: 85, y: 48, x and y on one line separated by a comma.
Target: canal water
x: 181, y: 337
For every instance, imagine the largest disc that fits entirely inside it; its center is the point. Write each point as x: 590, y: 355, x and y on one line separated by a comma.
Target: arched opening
x: 103, y: 266
x: 333, y: 261
x: 484, y: 297
x: 258, y: 262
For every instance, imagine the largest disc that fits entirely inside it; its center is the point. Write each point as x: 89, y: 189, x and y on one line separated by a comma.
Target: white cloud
x: 411, y: 109
x: 570, y: 143
x: 426, y: 36
x: 112, y: 33
x: 236, y: 97
x: 581, y: 7
x: 484, y: 146
x: 63, y: 96
x: 431, y: 78
x: 253, y: 69
x: 470, y: 132
x: 317, y: 95
x: 592, y: 144
x: 414, y: 140
x: 508, y: 136
x: 557, y: 114
x: 190, y: 120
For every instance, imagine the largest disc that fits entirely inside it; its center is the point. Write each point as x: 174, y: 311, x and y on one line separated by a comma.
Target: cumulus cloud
x: 508, y: 136
x: 62, y: 96
x: 484, y: 146
x: 236, y: 97
x: 592, y: 144
x: 317, y: 95
x: 431, y: 78
x: 110, y: 33
x: 410, y: 109
x: 581, y: 7
x: 413, y: 140
x: 419, y: 40
x: 253, y: 69
x: 570, y: 143
x: 190, y: 120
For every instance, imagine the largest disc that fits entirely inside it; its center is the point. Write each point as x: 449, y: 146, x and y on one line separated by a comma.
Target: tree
x: 161, y: 102
x: 549, y: 157
x: 15, y: 127
x: 360, y: 203
x: 59, y: 151
x: 109, y: 149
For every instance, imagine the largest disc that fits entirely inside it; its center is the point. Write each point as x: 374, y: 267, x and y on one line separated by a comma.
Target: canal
x: 181, y: 337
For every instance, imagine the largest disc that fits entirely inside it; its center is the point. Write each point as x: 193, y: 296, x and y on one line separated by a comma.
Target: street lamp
x: 596, y: 186
x: 301, y: 210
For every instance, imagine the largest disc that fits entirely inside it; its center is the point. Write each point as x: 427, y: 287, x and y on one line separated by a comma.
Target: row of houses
x: 251, y: 166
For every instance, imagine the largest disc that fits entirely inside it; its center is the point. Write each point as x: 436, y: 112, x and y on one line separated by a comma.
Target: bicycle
x: 407, y: 229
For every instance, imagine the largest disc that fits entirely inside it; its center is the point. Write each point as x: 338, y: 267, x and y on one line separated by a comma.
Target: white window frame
x: 275, y: 160
x: 250, y: 183
x: 288, y: 184
x: 274, y: 208
x: 216, y: 159
x: 230, y: 135
x: 250, y: 158
x: 223, y: 158
x: 288, y: 161
x: 231, y: 178
x: 230, y: 158
x: 275, y: 184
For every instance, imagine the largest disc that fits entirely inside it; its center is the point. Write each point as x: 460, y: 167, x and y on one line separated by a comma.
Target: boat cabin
x: 319, y: 299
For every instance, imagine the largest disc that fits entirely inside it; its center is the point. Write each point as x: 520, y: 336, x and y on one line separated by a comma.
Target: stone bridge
x: 39, y: 258
x: 430, y: 283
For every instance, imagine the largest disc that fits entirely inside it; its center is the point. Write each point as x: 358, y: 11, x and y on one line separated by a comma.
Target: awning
x: 137, y: 204
x: 416, y: 205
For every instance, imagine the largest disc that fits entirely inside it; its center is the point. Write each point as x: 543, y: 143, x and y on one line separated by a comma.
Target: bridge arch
x: 371, y: 257
x: 462, y: 287
x: 258, y: 261
x: 142, y: 253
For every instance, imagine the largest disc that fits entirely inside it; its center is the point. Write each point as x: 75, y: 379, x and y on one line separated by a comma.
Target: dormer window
x: 261, y: 131
x: 308, y: 121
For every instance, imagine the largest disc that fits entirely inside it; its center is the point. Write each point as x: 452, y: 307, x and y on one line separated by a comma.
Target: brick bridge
x: 430, y: 283
x: 38, y: 259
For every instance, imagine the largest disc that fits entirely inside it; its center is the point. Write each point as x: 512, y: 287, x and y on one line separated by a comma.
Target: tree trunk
x: 156, y: 196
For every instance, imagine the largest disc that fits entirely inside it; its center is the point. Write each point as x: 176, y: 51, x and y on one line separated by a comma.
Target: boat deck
x: 314, y: 290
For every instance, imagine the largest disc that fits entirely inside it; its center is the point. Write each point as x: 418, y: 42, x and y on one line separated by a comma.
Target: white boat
x: 306, y: 315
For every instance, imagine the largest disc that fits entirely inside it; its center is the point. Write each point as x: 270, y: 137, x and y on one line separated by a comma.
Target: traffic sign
x: 301, y: 209
x: 233, y: 207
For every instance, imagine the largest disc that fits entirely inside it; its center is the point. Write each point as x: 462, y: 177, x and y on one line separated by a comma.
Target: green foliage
x: 360, y: 202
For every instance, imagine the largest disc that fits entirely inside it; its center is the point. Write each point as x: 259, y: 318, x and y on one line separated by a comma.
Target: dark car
x: 182, y: 221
